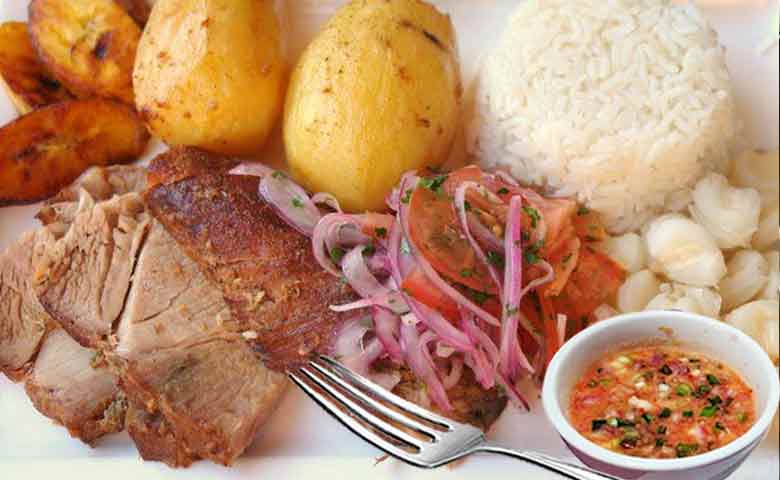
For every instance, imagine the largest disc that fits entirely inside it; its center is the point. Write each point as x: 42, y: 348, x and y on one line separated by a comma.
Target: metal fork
x: 403, y: 429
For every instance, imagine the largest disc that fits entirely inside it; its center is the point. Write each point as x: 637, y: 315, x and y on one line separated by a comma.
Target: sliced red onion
x: 433, y: 276
x: 336, y: 231
x: 506, y: 177
x: 252, y: 170
x: 361, y: 364
x: 486, y: 356
x: 422, y: 369
x: 387, y: 327
x: 359, y: 276
x: 460, y: 210
x: 440, y: 325
x: 483, y: 235
x: 348, y: 342
x: 512, y: 357
x: 327, y: 199
x: 454, y: 375
x: 291, y: 202
x: 560, y: 328
x: 392, y: 301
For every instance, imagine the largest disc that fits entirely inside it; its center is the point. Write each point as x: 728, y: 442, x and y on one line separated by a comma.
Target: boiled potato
x: 210, y: 73
x: 376, y: 94
x: 45, y: 150
x: 88, y: 45
x: 25, y: 79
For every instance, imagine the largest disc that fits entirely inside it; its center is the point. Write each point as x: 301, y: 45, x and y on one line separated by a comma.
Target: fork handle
x: 574, y: 472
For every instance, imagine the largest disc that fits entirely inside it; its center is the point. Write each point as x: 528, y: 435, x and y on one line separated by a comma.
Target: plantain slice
x: 88, y: 45
x: 22, y: 74
x: 138, y: 9
x: 45, y: 150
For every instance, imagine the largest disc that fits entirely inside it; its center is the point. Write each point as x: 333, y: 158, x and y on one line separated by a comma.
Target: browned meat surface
x: 23, y: 321
x: 83, y: 278
x: 66, y: 387
x: 470, y: 402
x: 179, y: 163
x: 154, y: 437
x: 207, y: 401
x: 265, y: 269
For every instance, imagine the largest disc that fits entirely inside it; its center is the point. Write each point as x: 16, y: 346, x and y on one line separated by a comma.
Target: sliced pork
x: 265, y: 270
x: 23, y: 321
x: 68, y: 385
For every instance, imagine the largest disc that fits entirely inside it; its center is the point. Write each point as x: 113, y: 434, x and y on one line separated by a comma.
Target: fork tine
x: 350, y: 415
x: 380, y: 392
x: 371, y: 402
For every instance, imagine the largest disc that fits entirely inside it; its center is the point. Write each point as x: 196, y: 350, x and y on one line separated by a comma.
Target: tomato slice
x: 595, y: 280
x: 419, y: 286
x: 435, y: 231
x: 377, y: 225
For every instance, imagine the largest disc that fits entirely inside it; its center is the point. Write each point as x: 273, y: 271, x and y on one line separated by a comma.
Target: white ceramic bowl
x: 702, y: 334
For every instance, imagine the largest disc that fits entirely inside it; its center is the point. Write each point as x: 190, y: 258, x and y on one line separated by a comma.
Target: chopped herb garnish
x: 683, y: 390
x: 533, y: 214
x: 665, y: 413
x: 686, y: 449
x: 503, y: 191
x: 583, y: 210
x: 369, y: 250
x: 709, y: 411
x: 466, y: 273
x: 716, y: 400
x: 278, y: 174
x: 597, y: 424
x: 567, y: 258
x: 434, y: 183
x: 719, y: 426
x: 666, y: 370
x: 407, y: 196
x: 742, y: 417
x: 712, y: 379
x: 659, y: 442
x: 647, y: 418
x: 688, y: 414
x: 496, y: 259
x: 703, y: 390
x: 511, y: 310
x: 467, y: 206
x: 297, y: 203
x: 625, y: 423
x: 661, y: 430
x: 337, y: 254
x: 613, y: 422
x: 380, y: 232
x: 479, y: 297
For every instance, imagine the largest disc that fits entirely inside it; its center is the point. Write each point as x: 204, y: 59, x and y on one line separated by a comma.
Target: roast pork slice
x: 83, y: 278
x: 154, y: 437
x: 23, y: 321
x: 170, y: 303
x: 68, y: 385
x: 213, y: 397
x: 265, y: 269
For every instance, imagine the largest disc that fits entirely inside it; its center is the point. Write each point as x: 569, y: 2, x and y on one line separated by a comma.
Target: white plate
x: 301, y: 441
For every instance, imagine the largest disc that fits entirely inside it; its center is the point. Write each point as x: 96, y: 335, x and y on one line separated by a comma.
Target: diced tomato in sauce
x: 661, y: 402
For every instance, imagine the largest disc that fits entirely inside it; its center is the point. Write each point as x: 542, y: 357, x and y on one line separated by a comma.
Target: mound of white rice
x: 624, y: 104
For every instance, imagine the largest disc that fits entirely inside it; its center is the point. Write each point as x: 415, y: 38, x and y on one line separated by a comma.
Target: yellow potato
x: 376, y: 94
x: 210, y: 73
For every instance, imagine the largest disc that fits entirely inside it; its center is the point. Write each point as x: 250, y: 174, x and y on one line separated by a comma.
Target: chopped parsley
x: 533, y: 214
x: 467, y: 273
x: 583, y: 210
x: 683, y: 390
x: 665, y: 413
x: 380, y: 232
x: 405, y: 249
x: 531, y: 254
x: 647, y: 418
x: 278, y: 174
x: 433, y: 183
x: 661, y: 430
x: 686, y: 449
x: 709, y: 411
x: 336, y: 254
x: 688, y: 414
x: 496, y: 259
x: 407, y: 196
x: 297, y: 203
x: 503, y: 191
x: 712, y: 379
x: 597, y: 424
x: 719, y: 426
x: 666, y: 370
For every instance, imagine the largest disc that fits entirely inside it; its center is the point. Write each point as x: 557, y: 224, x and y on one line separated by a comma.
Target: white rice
x: 624, y: 104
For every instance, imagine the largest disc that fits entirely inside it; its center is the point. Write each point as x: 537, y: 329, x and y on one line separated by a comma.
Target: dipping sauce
x: 661, y: 402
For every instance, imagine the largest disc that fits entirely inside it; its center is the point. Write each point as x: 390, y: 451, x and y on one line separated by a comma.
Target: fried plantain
x: 45, y: 150
x: 88, y: 45
x: 138, y: 9
x: 22, y: 74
